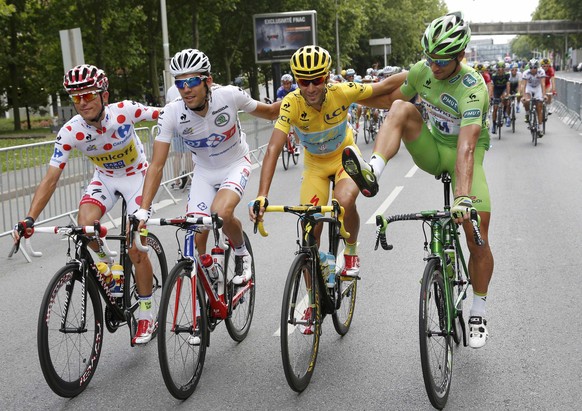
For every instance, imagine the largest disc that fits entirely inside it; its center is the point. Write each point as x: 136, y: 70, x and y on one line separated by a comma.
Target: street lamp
x: 337, y: 38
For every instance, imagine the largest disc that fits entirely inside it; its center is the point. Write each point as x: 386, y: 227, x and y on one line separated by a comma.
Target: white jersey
x: 515, y: 79
x: 115, y: 148
x: 216, y: 139
x: 534, y: 80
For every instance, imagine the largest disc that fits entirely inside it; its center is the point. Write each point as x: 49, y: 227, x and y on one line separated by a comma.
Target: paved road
x: 532, y: 361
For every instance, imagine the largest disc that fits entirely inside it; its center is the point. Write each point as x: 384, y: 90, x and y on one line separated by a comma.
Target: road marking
x: 301, y: 306
x: 385, y: 204
x: 412, y: 171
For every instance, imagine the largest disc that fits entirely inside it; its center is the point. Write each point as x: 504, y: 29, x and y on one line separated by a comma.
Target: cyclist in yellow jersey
x: 318, y: 111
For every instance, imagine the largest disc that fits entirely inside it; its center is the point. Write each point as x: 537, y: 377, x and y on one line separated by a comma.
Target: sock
x: 241, y: 250
x: 479, y: 305
x: 145, y: 307
x: 351, y: 249
x: 378, y: 163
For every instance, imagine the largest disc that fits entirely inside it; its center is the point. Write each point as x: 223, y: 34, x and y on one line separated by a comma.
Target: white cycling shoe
x: 478, y: 333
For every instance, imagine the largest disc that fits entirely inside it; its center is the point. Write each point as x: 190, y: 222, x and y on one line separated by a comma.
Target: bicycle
x: 290, y: 150
x: 512, y: 107
x: 354, y: 122
x: 70, y: 322
x: 499, y: 116
x: 444, y: 288
x: 308, y: 296
x: 533, y: 121
x: 370, y: 124
x: 198, y: 294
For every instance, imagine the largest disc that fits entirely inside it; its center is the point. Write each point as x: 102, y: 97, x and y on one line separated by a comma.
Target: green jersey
x: 450, y: 104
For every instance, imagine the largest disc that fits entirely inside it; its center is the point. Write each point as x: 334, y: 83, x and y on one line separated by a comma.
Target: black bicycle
x: 71, y: 319
x: 313, y: 289
x: 534, y: 124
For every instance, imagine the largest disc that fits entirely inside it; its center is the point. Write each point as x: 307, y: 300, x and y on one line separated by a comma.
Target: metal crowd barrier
x: 568, y: 102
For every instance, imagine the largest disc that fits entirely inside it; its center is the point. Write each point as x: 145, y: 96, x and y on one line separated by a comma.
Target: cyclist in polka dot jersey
x: 105, y: 134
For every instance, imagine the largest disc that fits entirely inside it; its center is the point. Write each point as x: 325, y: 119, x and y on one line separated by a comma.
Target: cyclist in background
x: 550, y: 79
x: 455, y: 142
x: 287, y: 86
x: 317, y: 111
x: 355, y: 110
x: 482, y: 69
x: 500, y: 81
x: 207, y: 120
x: 105, y: 134
x: 514, y: 81
x: 533, y: 86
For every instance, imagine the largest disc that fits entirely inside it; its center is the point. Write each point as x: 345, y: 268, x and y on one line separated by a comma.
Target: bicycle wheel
x: 513, y: 116
x: 366, y: 128
x: 239, y: 322
x: 182, y: 341
x: 300, y: 323
x: 346, y: 292
x: 295, y: 156
x: 545, y: 117
x: 70, y: 332
x: 534, y: 126
x: 285, y: 156
x: 499, y: 120
x: 436, y: 348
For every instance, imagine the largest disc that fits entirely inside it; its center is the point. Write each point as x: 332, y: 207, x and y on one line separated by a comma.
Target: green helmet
x: 446, y: 35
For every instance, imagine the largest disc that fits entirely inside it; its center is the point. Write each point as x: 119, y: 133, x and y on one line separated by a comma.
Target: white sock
x: 145, y: 305
x: 241, y: 250
x: 479, y: 306
x: 378, y: 164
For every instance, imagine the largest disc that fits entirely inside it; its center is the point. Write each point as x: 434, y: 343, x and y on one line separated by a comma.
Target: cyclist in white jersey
x: 207, y: 119
x: 105, y: 134
x: 533, y: 85
x: 515, y: 77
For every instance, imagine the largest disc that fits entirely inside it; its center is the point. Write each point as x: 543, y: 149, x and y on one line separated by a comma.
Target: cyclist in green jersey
x: 454, y: 140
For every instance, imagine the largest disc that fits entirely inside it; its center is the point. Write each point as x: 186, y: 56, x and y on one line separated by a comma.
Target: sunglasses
x: 90, y: 96
x: 438, y: 62
x: 191, y: 82
x: 316, y: 81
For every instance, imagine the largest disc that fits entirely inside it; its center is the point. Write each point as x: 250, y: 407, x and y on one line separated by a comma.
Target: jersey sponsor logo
x: 450, y: 101
x: 284, y: 119
x: 57, y: 153
x: 473, y: 98
x: 222, y: 119
x: 472, y: 113
x: 211, y: 141
x: 220, y: 109
x: 334, y: 116
x: 183, y: 117
x: 427, y: 83
x: 469, y: 80
x: 458, y: 76
x: 303, y: 116
x: 285, y: 107
x: 202, y: 206
x: 91, y: 147
x: 116, y: 159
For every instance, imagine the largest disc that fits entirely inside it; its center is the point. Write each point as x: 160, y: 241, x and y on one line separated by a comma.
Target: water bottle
x: 331, y: 264
x: 209, y: 267
x: 324, y: 265
x: 105, y: 272
x: 117, y: 274
x: 218, y: 259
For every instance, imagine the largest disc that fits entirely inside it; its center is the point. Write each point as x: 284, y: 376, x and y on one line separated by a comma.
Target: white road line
x: 301, y: 306
x: 385, y: 204
x: 412, y: 171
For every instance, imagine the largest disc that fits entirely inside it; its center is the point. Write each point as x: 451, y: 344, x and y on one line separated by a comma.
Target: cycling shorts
x: 104, y: 191
x: 435, y: 158
x: 535, y: 92
x: 207, y: 182
x: 317, y: 170
x: 498, y: 92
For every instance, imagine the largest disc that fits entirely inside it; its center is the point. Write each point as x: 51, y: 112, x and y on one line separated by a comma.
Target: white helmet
x: 287, y: 77
x: 189, y: 61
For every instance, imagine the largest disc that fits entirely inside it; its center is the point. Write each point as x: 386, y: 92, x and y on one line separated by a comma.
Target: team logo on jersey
x: 116, y: 159
x: 183, y: 117
x: 285, y: 107
x: 202, y: 206
x: 451, y: 81
x: 91, y: 147
x: 57, y: 153
x: 212, y: 140
x: 335, y: 116
x: 427, y: 83
x: 222, y: 119
x: 304, y: 116
x: 469, y: 80
x: 473, y: 113
x: 473, y: 98
x: 449, y: 101
x: 219, y: 110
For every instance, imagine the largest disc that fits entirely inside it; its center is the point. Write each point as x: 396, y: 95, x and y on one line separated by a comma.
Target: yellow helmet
x: 310, y: 62
x: 545, y: 61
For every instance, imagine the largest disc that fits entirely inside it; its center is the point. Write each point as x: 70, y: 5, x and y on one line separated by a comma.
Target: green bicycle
x: 444, y: 288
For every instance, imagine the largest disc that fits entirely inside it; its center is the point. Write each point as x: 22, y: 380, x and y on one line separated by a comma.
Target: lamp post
x: 337, y: 47
x: 166, y: 47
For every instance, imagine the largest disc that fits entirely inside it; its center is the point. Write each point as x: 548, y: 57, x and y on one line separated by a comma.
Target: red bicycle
x: 199, y: 294
x: 290, y: 151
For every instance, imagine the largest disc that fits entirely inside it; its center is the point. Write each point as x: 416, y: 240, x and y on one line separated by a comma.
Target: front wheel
x: 300, y: 323
x: 513, y: 117
x: 243, y: 298
x: 499, y: 121
x: 70, y: 331
x: 285, y: 154
x: 183, y: 331
x: 436, y: 345
x: 367, y: 136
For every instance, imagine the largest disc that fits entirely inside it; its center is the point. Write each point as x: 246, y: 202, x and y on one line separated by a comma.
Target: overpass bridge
x: 528, y: 27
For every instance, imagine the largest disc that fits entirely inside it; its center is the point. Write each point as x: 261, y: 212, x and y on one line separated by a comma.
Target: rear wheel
x: 347, y: 288
x: 300, y: 323
x: 534, y: 126
x: 70, y: 332
x: 243, y: 300
x: 499, y: 120
x: 183, y: 331
x: 513, y: 116
x: 367, y: 136
x: 436, y: 343
x: 285, y: 156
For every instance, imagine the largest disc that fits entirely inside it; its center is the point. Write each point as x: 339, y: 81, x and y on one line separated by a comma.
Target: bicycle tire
x: 499, y: 120
x: 545, y: 117
x: 513, y: 117
x: 285, y: 156
x: 347, y: 288
x: 534, y: 126
x: 366, y: 130
x: 181, y: 361
x: 298, y: 347
x: 295, y: 157
x: 436, y: 349
x: 239, y: 322
x: 69, y: 359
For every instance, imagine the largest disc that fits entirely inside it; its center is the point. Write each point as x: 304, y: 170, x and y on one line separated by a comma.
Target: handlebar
x: 382, y: 224
x: 335, y: 209
x: 214, y: 223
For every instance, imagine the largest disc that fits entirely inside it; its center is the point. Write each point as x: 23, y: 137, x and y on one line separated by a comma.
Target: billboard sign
x: 278, y: 35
